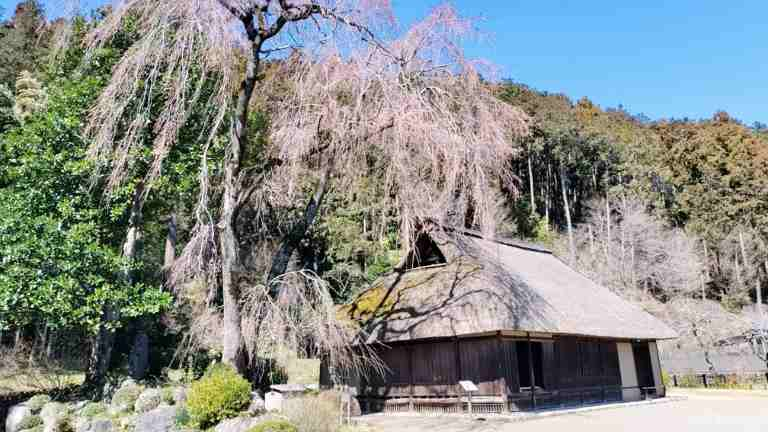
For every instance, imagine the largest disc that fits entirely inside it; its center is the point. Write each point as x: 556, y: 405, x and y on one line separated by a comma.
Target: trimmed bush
x: 30, y: 422
x: 37, y: 403
x: 274, y: 426
x: 220, y: 394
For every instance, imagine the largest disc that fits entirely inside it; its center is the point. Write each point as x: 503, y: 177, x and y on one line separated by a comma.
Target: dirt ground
x: 703, y: 411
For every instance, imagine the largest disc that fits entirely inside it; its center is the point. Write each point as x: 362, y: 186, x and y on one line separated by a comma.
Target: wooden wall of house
x: 585, y: 363
x: 435, y: 367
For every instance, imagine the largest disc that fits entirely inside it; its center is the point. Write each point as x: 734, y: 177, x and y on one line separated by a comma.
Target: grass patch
x: 38, y: 380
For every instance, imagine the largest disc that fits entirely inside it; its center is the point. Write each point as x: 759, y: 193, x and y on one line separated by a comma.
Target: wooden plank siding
x: 434, y: 368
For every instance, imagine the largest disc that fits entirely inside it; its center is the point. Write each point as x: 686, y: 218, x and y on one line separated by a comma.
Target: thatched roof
x: 488, y: 286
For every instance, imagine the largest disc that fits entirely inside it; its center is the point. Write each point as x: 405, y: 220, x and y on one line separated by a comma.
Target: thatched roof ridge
x: 488, y: 286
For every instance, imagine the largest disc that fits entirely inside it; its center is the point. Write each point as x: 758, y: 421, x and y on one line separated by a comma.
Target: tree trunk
x: 548, y: 199
x: 170, y: 243
x: 706, y: 258
x: 101, y: 349
x: 138, y: 358
x: 234, y: 352
x: 282, y: 257
x: 607, y: 230
x: 744, y: 260
x: 530, y: 177
x: 101, y: 354
x: 571, y: 242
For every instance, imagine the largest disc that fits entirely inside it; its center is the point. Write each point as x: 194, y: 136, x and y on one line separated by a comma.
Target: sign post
x: 469, y: 387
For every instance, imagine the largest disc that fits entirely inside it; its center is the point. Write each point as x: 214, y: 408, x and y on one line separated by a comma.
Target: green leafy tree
x: 24, y: 41
x: 7, y: 117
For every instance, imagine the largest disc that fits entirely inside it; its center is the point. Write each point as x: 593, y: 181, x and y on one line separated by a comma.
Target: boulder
x: 175, y: 376
x: 113, y: 386
x: 238, y: 424
x: 128, y: 382
x: 124, y: 399
x: 16, y: 417
x: 91, y: 410
x: 36, y: 403
x: 257, y: 405
x: 273, y: 401
x: 96, y: 425
x: 148, y: 400
x: 180, y: 395
x: 126, y: 422
x: 161, y: 419
x: 33, y: 422
x: 51, y: 413
x: 60, y: 424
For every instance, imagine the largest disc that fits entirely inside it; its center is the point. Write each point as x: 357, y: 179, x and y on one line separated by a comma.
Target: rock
x: 61, y: 424
x: 92, y: 409
x: 16, y: 417
x: 175, y: 375
x: 124, y: 399
x: 238, y: 424
x: 36, y: 403
x: 128, y: 382
x: 51, y: 413
x: 273, y: 401
x: 148, y: 400
x: 80, y: 405
x: 158, y: 420
x: 30, y: 422
x: 127, y: 422
x: 98, y: 425
x: 257, y: 405
x: 180, y: 395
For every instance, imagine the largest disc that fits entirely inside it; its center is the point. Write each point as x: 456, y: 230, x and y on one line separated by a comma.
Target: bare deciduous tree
x: 415, y: 102
x: 185, y: 46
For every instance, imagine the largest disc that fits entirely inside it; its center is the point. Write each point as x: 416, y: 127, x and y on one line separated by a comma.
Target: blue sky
x: 662, y: 58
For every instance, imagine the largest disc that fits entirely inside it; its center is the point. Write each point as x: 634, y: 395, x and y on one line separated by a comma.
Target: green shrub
x: 274, y: 426
x: 30, y: 422
x: 220, y: 394
x: 166, y: 395
x: 93, y: 409
x: 36, y: 403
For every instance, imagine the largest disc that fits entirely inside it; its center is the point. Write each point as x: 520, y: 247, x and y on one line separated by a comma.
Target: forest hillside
x: 159, y: 195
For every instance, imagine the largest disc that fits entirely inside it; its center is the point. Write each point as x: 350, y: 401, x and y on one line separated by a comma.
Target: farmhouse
x: 528, y: 330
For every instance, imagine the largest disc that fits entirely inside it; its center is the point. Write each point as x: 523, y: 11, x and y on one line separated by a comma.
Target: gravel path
x: 719, y: 412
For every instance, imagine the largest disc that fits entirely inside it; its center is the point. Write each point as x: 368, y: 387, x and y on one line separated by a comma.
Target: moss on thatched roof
x: 488, y: 286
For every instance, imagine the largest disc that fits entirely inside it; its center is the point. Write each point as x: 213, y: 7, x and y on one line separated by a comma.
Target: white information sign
x: 468, y: 386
